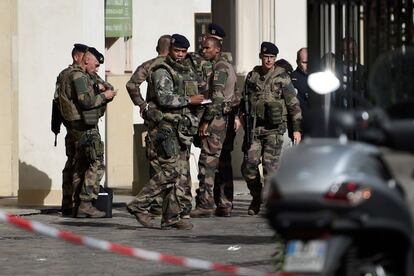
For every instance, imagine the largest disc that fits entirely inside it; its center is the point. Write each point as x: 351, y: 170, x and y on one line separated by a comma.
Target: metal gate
x: 349, y: 36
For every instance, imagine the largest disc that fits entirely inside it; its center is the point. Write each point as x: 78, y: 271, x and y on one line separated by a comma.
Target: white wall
x: 47, y: 31
x: 154, y: 18
x: 291, y: 33
x: 248, y: 34
x: 279, y: 21
x: 8, y: 104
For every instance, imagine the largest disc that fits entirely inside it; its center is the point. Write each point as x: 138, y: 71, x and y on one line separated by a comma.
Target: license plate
x: 305, y: 256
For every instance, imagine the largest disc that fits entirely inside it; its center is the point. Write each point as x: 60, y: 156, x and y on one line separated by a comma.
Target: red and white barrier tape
x: 37, y: 227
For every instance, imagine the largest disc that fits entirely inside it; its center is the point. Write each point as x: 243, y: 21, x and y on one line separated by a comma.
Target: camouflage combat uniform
x: 140, y: 75
x: 203, y: 68
x: 81, y: 106
x: 223, y: 180
x: 70, y: 140
x: 272, y: 98
x: 222, y: 89
x: 171, y: 128
x: 70, y: 115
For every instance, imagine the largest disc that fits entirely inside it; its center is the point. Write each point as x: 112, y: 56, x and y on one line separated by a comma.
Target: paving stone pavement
x: 240, y: 240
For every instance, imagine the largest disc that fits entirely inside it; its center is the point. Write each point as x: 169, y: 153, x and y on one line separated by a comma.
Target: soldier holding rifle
x: 269, y: 98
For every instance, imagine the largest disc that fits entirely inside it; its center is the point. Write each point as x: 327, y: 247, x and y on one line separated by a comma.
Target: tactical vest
x: 204, y: 68
x: 231, y: 94
x: 156, y: 63
x: 266, y: 96
x: 96, y: 81
x: 197, y: 61
x: 185, y: 84
x: 184, y: 78
x: 64, y: 96
x: 89, y: 117
x: 227, y: 56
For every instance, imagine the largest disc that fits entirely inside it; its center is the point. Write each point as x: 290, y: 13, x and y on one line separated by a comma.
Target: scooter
x: 335, y: 205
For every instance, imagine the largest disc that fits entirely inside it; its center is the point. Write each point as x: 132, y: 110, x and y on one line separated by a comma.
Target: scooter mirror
x: 323, y: 82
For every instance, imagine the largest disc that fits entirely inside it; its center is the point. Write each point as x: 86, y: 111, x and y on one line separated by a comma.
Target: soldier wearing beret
x: 81, y: 104
x: 62, y: 87
x: 67, y: 174
x: 271, y: 98
x: 175, y: 95
x: 213, y: 128
x: 204, y: 67
x: 223, y: 180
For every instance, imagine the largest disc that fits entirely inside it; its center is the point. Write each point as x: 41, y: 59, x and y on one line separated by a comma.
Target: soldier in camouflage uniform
x: 204, y: 67
x: 81, y: 103
x: 271, y: 98
x: 70, y: 141
x: 141, y: 74
x: 223, y: 180
x: 67, y: 174
x: 222, y: 92
x: 174, y: 122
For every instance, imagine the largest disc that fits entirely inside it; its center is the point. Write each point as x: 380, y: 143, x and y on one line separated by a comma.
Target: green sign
x: 118, y: 18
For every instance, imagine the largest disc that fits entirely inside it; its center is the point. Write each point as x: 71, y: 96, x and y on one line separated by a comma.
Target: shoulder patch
x: 220, y: 77
x: 81, y: 83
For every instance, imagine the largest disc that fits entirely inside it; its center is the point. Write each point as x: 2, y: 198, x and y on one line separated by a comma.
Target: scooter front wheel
x: 373, y: 270
x: 359, y: 261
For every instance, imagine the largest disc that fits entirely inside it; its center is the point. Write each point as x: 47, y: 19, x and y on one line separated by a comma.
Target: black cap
x: 269, y: 48
x: 216, y: 30
x: 180, y: 41
x: 80, y: 47
x: 96, y: 53
x: 101, y: 58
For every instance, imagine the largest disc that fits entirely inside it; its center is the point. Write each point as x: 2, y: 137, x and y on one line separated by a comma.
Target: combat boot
x: 182, y: 224
x: 254, y: 207
x: 144, y: 219
x: 86, y: 209
x: 199, y: 212
x: 223, y: 211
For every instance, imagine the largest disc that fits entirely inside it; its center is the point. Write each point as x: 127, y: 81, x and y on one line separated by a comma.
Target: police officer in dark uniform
x: 300, y: 82
x: 300, y: 79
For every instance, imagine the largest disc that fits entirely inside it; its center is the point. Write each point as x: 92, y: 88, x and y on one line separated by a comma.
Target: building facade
x: 36, y: 39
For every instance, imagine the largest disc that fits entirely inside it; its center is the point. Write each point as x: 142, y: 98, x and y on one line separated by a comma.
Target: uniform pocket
x: 167, y: 143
